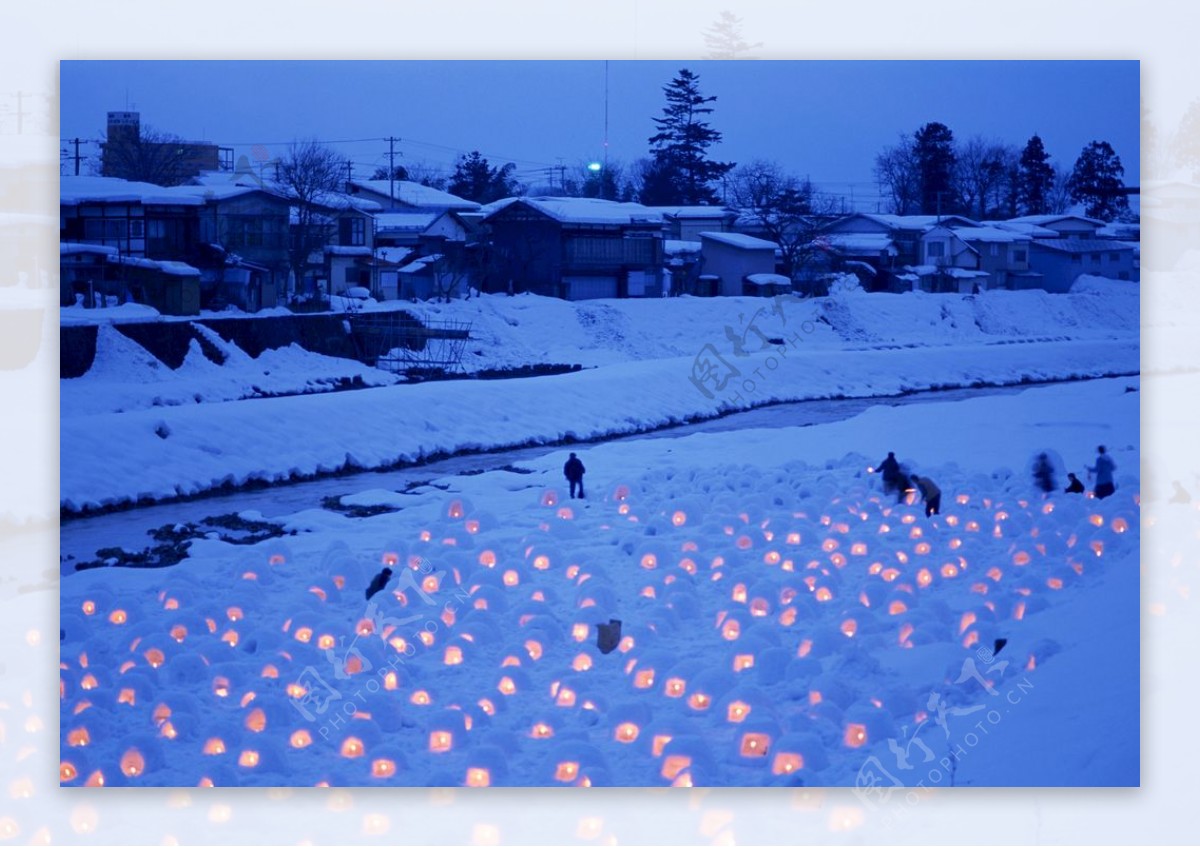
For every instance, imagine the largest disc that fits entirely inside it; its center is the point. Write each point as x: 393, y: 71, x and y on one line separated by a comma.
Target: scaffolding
x: 399, y: 343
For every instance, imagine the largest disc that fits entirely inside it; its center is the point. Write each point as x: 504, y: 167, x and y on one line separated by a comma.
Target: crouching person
x: 930, y: 493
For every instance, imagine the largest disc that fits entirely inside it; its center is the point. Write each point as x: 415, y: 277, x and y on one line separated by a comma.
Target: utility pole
x: 76, y: 157
x: 349, y: 174
x: 392, y: 169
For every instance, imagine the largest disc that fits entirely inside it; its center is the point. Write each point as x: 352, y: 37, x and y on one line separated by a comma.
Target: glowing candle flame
x: 855, y: 735
x: 132, y: 763
x: 626, y: 732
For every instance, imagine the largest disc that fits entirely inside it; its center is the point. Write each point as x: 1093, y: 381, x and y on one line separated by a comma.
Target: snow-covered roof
x: 918, y: 221
x: 671, y: 247
x: 344, y: 250
x: 1081, y: 245
x: 418, y: 265
x: 69, y: 248
x: 1025, y: 227
x: 698, y: 212
x: 964, y: 273
x: 414, y: 194
x: 768, y: 279
x: 74, y: 190
x: 922, y: 270
x: 1046, y: 220
x: 395, y: 255
x: 989, y: 234
x: 861, y: 243
x: 218, y: 190
x: 177, y: 268
x: 582, y: 210
x: 853, y: 263
x: 738, y: 239
x: 406, y: 221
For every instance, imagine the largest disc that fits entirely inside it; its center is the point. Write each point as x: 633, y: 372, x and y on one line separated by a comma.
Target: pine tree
x: 475, y: 179
x: 1097, y: 182
x: 1035, y: 181
x: 682, y: 173
x: 934, y: 149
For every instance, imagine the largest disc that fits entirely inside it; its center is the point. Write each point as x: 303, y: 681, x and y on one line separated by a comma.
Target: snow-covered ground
x: 783, y: 622
x: 651, y: 363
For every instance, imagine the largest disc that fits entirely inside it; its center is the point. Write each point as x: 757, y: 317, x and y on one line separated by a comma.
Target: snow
x: 860, y: 243
x: 693, y: 212
x: 789, y: 624
x: 582, y: 210
x: 68, y: 248
x: 408, y: 221
x: 346, y: 250
x: 671, y: 247
x: 74, y: 190
x: 768, y: 279
x: 737, y: 239
x: 1081, y: 245
x: 853, y: 345
x: 395, y: 255
x: 989, y: 234
x: 415, y: 194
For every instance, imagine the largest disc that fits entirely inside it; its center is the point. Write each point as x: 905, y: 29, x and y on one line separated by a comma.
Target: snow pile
x: 124, y: 376
x: 783, y: 623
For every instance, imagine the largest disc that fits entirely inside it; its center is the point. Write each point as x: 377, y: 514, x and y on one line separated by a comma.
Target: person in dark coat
x: 574, y: 470
x: 378, y: 582
x: 930, y: 493
x: 1074, y: 486
x: 893, y: 480
x: 1103, y: 469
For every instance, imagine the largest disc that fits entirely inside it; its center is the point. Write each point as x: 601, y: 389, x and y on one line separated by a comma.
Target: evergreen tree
x: 475, y: 179
x: 399, y: 173
x: 1097, y: 182
x: 934, y: 149
x: 1035, y: 181
x: 682, y: 173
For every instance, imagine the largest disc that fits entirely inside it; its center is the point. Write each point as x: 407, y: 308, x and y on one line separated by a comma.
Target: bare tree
x: 311, y: 176
x: 1059, y: 198
x: 983, y: 166
x: 151, y: 156
x: 786, y: 208
x: 899, y: 176
x: 428, y: 175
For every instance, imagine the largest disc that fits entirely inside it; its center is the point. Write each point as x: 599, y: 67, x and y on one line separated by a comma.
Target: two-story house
x: 574, y: 248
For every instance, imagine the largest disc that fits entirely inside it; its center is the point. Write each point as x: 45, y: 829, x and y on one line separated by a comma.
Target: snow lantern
x: 486, y: 766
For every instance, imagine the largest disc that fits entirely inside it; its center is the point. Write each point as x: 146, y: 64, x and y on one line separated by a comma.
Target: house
x: 732, y: 257
x: 1060, y: 261
x: 968, y: 259
x: 682, y: 259
x: 1063, y: 226
x: 406, y: 196
x: 575, y: 248
x: 886, y: 243
x: 685, y: 223
x: 136, y: 218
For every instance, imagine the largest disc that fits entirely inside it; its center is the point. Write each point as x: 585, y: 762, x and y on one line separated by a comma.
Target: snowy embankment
x: 111, y: 459
x: 133, y: 429
x: 783, y: 622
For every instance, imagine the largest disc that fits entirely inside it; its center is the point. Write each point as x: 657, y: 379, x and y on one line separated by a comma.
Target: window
x: 104, y: 229
x: 353, y: 232
x: 1020, y: 256
x: 995, y: 250
x: 137, y: 229
x: 935, y: 249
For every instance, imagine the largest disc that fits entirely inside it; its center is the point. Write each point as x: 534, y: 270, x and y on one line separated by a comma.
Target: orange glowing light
x: 1119, y: 525
x: 739, y: 593
x: 742, y: 661
x: 303, y: 635
x: 534, y: 649
x: 824, y: 595
x: 221, y: 686
x: 420, y: 697
x: 675, y: 687
x: 352, y: 748
x: 383, y: 768
x: 541, y: 730
x: 785, y: 763
x: 699, y: 701
x: 755, y: 744
x: 855, y: 736
x: 965, y: 621
x: 78, y: 737
x: 644, y: 678
x: 489, y: 708
x: 453, y: 655
x: 248, y: 759
x: 890, y: 574
x: 566, y: 771
x: 89, y: 608
x: 731, y: 630
x: 478, y: 778
x: 737, y: 711
x: 118, y: 616
x: 127, y: 696
x: 256, y: 721
x: 626, y: 732
x: 132, y: 763
x: 301, y: 739
x: 1054, y: 582
x: 426, y: 637
x: 506, y: 686
x: 579, y: 632
x: 67, y: 772
x: 440, y: 741
x: 213, y: 747
x: 566, y: 697
x: 582, y: 662
x: 179, y: 632
x: 673, y: 764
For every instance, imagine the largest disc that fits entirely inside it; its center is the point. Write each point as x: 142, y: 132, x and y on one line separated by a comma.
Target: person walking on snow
x: 892, y: 480
x: 930, y: 493
x: 1103, y: 469
x: 574, y: 470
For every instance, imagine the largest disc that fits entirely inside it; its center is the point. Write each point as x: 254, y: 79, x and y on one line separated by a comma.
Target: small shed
x: 732, y: 257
